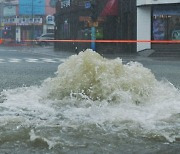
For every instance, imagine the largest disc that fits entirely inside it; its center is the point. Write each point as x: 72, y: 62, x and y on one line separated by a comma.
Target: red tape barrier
x: 108, y: 41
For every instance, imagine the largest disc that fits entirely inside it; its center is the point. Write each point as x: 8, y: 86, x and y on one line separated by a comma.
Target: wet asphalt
x: 27, y: 66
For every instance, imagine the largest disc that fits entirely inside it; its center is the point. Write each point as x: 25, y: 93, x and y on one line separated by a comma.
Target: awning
x: 111, y: 8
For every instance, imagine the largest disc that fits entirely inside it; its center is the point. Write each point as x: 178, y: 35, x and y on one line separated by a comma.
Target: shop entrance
x: 166, y: 25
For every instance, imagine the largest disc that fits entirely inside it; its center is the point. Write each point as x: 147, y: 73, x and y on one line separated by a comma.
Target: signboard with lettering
x: 87, y: 5
x: 65, y: 3
x: 50, y: 20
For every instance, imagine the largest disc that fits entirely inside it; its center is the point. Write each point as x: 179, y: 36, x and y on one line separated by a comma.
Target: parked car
x: 41, y: 40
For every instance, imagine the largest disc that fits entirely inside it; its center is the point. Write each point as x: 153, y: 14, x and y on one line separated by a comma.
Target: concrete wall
x: 143, y: 27
x: 149, y: 2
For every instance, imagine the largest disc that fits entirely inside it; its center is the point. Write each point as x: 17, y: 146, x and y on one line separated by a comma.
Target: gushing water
x: 91, y: 99
x: 89, y: 75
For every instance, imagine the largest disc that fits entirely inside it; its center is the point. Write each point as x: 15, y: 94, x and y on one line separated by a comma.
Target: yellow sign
x: 84, y: 18
x: 93, y: 24
x: 87, y: 18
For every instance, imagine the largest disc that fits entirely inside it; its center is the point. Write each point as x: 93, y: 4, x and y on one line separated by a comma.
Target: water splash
x: 89, y: 75
x: 92, y: 95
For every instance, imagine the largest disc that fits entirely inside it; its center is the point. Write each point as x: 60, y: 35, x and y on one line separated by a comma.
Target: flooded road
x: 94, y: 105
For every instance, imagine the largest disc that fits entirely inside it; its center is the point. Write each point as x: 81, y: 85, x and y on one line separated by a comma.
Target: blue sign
x: 32, y: 7
x: 87, y: 5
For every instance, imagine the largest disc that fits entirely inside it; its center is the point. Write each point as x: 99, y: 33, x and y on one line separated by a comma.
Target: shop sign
x: 50, y: 20
x: 176, y: 35
x: 65, y: 3
x: 22, y: 21
x: 87, y: 18
x: 93, y: 24
x: 87, y: 5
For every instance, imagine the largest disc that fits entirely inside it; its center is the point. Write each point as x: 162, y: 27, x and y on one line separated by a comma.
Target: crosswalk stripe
x: 14, y: 60
x: 2, y: 60
x: 48, y: 60
x: 32, y: 60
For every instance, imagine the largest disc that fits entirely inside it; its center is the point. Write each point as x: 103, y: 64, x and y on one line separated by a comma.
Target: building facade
x: 158, y: 20
x: 116, y: 19
x: 26, y: 19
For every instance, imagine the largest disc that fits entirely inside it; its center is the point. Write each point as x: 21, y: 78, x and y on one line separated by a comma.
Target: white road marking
x: 60, y: 60
x: 14, y: 60
x: 32, y: 60
x: 2, y: 61
x: 48, y: 60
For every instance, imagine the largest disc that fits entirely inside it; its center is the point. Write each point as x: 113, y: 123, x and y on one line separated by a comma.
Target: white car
x: 43, y: 39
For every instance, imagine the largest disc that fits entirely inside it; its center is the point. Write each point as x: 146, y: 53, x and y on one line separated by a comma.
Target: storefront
x: 158, y: 20
x: 166, y: 22
x: 108, y: 20
x: 29, y: 32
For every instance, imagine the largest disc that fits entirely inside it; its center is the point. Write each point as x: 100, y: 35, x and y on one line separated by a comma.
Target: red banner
x: 111, y: 8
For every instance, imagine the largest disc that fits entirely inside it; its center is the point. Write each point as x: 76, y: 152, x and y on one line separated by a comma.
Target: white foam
x: 98, y: 78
